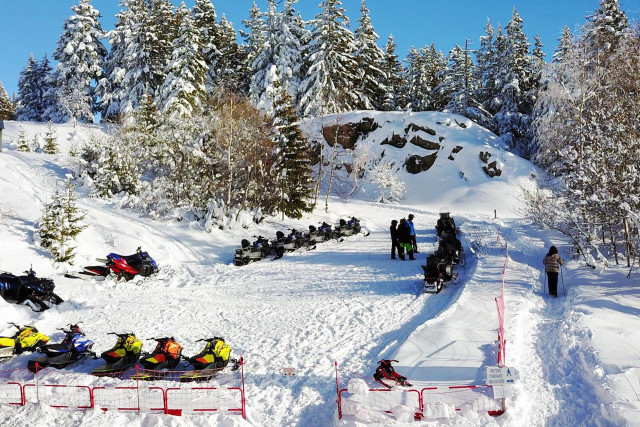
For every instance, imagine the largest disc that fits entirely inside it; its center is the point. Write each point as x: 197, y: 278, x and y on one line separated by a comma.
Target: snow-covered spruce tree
x: 32, y: 86
x: 486, y: 63
x: 394, y: 98
x: 184, y: 90
x: 459, y: 86
x: 294, y: 165
x: 230, y: 68
x: 434, y: 65
x: 282, y: 48
x: 50, y: 140
x: 369, y: 58
x: 261, y: 54
x: 204, y: 16
x: 80, y: 55
x: 328, y: 86
x: 256, y: 34
x: 6, y: 106
x: 23, y: 142
x: 385, y: 175
x: 163, y: 29
x: 116, y: 170
x: 513, y: 120
x: 418, y: 90
x: 61, y: 225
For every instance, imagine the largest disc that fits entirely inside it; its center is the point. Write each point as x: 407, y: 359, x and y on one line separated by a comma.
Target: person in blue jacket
x: 412, y: 233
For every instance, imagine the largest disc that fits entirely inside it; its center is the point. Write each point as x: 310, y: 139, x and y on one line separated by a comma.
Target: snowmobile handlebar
x: 126, y: 334
x: 11, y: 323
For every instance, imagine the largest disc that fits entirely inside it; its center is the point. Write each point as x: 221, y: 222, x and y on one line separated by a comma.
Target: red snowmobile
x: 386, y: 372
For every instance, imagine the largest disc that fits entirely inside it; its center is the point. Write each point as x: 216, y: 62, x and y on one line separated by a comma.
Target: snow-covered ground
x: 344, y: 302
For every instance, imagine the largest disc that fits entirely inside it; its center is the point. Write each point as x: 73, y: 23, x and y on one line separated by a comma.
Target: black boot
x: 411, y: 256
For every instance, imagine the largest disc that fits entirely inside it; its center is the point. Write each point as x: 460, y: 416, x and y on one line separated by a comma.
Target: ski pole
x: 564, y: 290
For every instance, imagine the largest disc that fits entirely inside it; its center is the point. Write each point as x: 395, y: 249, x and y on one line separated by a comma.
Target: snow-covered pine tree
x: 6, y: 106
x: 418, y: 90
x: 328, y: 86
x: 230, y: 66
x: 183, y: 91
x: 394, y: 98
x: 514, y: 76
x: 256, y: 36
x: 116, y: 170
x: 80, y: 55
x: 564, y: 44
x: 61, y: 225
x: 294, y: 165
x: 434, y: 66
x: 31, y: 91
x: 292, y: 51
x: 369, y: 58
x: 204, y: 16
x: 23, y: 142
x: 50, y: 140
x: 163, y: 26
x: 486, y: 66
x: 261, y: 54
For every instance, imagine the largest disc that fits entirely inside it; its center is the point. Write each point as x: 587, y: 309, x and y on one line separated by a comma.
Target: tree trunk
x: 613, y: 243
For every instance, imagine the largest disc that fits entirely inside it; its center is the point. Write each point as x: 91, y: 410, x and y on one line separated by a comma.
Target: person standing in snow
x: 552, y: 263
x: 404, y: 238
x: 394, y: 240
x: 413, y: 233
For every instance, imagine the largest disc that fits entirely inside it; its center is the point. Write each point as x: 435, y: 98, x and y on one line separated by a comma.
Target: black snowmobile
x: 250, y: 252
x: 73, y: 348
x: 162, y: 360
x: 450, y: 249
x: 320, y: 234
x: 283, y: 243
x: 446, y: 224
x: 121, y: 357
x: 347, y: 228
x: 211, y: 360
x: 302, y: 240
x: 28, y: 289
x: 437, y: 272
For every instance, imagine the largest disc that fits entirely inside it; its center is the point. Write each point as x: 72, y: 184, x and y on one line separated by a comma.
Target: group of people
x: 403, y: 238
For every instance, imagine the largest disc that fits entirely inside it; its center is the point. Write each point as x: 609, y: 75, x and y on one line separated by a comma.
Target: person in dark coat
x: 394, y: 240
x: 404, y: 237
x: 413, y: 233
x: 552, y: 263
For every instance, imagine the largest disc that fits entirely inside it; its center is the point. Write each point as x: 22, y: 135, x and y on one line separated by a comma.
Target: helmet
x: 394, y: 222
x: 410, y: 216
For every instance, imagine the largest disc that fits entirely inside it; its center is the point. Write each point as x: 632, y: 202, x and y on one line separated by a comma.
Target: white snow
x: 577, y: 356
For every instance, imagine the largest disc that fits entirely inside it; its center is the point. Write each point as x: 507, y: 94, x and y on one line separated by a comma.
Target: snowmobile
x: 342, y: 229
x: 211, y: 360
x: 450, y: 248
x: 121, y: 357
x: 301, y: 239
x: 283, y: 244
x: 437, y: 272
x: 73, y: 348
x: 445, y: 224
x: 250, y: 252
x: 385, y: 372
x: 121, y: 267
x: 163, y: 359
x: 320, y: 234
x: 29, y: 289
x: 27, y: 338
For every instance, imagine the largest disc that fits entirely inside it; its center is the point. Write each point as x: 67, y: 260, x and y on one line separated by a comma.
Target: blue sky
x: 34, y: 26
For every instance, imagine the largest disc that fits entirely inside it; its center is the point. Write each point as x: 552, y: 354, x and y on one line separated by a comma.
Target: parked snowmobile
x: 73, y: 348
x: 320, y: 234
x: 211, y: 360
x: 302, y: 240
x: 163, y: 359
x: 445, y: 224
x: 121, y: 357
x: 283, y: 244
x: 123, y: 267
x: 437, y: 272
x: 347, y: 228
x: 385, y: 372
x: 250, y: 252
x: 27, y: 338
x: 29, y: 289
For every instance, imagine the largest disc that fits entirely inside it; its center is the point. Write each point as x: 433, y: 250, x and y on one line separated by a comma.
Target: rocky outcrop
x: 412, y: 127
x: 395, y: 140
x: 492, y: 168
x: 347, y: 134
x: 416, y: 164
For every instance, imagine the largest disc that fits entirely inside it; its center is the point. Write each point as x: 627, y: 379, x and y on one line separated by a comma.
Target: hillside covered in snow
x: 345, y: 302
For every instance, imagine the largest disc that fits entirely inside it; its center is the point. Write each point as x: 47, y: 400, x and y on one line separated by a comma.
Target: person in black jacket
x: 404, y: 238
x: 394, y: 240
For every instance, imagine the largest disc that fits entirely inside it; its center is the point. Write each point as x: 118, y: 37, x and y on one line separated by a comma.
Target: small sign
x: 500, y: 375
x: 289, y: 371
